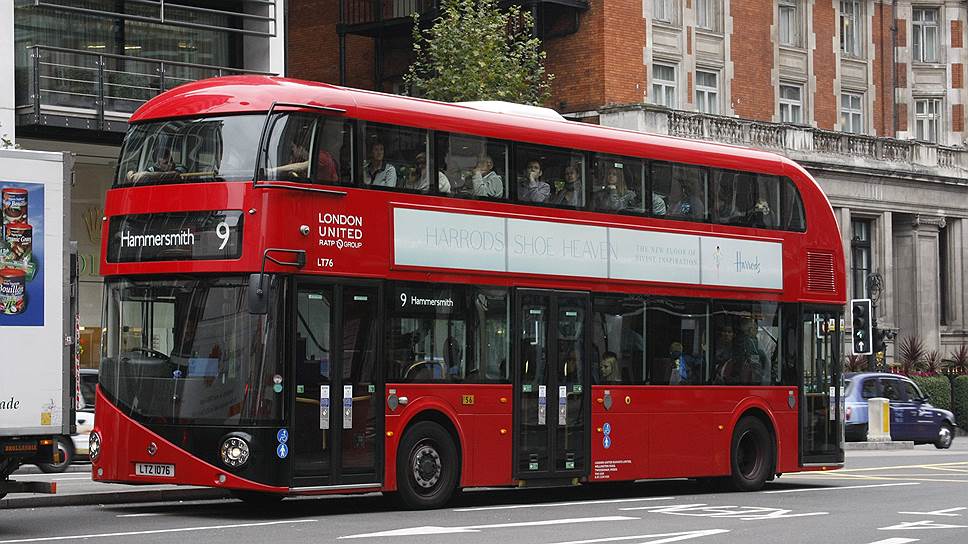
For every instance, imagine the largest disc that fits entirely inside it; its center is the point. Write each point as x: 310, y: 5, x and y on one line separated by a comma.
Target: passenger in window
x: 608, y: 371
x: 453, y: 358
x: 376, y: 171
x: 685, y: 368
x: 689, y: 204
x: 571, y: 192
x: 163, y: 168
x: 726, y: 210
x: 659, y: 206
x: 748, y: 354
x: 725, y: 371
x: 484, y: 180
x: 420, y: 181
x: 760, y: 215
x: 615, y: 195
x: 531, y: 188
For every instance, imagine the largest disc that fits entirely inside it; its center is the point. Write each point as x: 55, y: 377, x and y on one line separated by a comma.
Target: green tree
x: 476, y: 51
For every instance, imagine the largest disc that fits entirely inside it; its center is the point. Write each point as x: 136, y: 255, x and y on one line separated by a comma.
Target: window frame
x: 665, y: 87
x: 924, y: 121
x: 852, y: 28
x: 794, y: 9
x: 788, y: 104
x: 850, y: 116
x: 709, y: 15
x: 706, y: 95
x: 920, y: 30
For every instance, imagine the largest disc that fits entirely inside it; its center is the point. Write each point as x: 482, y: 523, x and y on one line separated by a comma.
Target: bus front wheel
x: 426, y: 466
x: 751, y: 455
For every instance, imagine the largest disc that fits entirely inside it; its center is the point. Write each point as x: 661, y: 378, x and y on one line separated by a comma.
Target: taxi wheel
x: 751, y: 455
x: 426, y: 467
x: 946, y: 434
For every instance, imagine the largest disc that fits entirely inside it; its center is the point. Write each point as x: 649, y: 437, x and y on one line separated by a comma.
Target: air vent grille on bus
x: 820, y: 272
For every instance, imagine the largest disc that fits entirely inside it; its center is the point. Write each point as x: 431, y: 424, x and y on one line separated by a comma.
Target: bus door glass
x: 551, y: 384
x: 821, y: 399
x: 335, y: 422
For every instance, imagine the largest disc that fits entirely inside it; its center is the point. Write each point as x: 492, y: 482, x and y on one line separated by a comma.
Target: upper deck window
x: 294, y: 138
x: 190, y: 150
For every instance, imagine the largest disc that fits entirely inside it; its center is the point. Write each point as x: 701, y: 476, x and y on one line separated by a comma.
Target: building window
x: 925, y: 34
x: 852, y: 113
x: 708, y: 15
x: 860, y: 251
x: 851, y: 25
x: 789, y: 17
x: 664, y: 11
x: 664, y: 85
x: 927, y: 119
x: 707, y: 92
x: 791, y: 104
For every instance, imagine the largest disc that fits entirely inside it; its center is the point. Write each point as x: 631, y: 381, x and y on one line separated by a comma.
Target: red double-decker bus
x: 313, y: 289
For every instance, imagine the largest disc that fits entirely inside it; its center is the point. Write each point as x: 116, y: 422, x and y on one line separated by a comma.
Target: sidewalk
x: 75, y: 488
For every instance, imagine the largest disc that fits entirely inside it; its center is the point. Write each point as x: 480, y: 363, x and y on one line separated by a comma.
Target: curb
x: 114, y: 497
x: 900, y: 445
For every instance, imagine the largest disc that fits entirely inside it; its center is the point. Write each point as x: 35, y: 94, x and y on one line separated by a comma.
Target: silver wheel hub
x: 944, y: 435
x: 426, y: 466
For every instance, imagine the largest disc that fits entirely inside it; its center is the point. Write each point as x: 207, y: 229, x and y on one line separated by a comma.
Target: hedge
x: 938, y: 387
x: 959, y: 389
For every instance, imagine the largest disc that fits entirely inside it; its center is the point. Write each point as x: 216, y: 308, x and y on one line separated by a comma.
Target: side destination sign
x: 480, y: 242
x: 176, y: 236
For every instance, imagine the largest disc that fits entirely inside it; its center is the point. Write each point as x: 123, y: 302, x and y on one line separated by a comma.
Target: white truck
x: 38, y: 369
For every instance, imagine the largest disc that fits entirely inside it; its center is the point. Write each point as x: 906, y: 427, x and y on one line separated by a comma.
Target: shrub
x: 938, y: 387
x: 856, y: 363
x: 910, y: 354
x: 931, y: 362
x: 958, y: 360
x: 959, y: 392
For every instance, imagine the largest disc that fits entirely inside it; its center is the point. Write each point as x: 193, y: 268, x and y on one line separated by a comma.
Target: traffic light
x: 863, y: 340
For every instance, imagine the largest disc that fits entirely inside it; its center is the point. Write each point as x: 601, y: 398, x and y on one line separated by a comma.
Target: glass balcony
x: 68, y: 88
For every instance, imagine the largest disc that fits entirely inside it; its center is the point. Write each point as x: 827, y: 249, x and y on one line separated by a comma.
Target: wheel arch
x: 427, y: 410
x: 757, y: 409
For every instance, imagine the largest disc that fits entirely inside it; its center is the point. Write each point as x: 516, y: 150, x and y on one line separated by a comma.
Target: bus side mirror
x: 257, y: 294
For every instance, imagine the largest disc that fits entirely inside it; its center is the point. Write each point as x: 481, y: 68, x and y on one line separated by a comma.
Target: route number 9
x: 223, y: 232
x: 403, y: 299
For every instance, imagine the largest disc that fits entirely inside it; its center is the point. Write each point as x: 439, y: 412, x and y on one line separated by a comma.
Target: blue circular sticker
x: 282, y: 436
x: 607, y: 428
x: 282, y: 451
x: 607, y: 442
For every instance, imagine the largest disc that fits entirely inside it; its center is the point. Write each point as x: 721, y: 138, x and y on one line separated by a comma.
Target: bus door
x: 337, y: 418
x: 551, y: 418
x: 821, y: 397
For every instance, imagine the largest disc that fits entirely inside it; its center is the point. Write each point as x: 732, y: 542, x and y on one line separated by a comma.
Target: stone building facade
x: 869, y: 95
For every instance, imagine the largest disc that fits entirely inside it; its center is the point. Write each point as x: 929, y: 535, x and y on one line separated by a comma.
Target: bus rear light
x: 94, y: 445
x: 235, y: 451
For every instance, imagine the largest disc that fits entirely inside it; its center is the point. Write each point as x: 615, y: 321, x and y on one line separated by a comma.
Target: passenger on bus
x: 689, y: 204
x: 724, y: 369
x: 685, y: 368
x: 571, y: 192
x: 485, y: 181
x: 659, y: 206
x: 163, y: 168
x: 420, y: 181
x: 608, y: 371
x: 530, y: 187
x: 615, y: 196
x: 377, y: 171
x: 747, y: 353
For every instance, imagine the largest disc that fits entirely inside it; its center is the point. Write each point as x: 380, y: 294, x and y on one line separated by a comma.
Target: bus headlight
x: 235, y: 451
x: 94, y: 445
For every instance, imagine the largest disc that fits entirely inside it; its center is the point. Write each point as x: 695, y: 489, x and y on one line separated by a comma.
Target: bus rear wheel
x: 751, y: 455
x: 426, y: 466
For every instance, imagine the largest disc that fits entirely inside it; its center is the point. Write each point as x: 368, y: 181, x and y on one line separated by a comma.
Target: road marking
x: 157, y: 531
x: 555, y: 504
x: 896, y: 541
x: 894, y: 478
x: 926, y: 524
x: 663, y: 537
x: 142, y: 515
x: 745, y: 513
x: 437, y: 530
x: 841, y: 487
x: 870, y: 469
x: 945, y: 512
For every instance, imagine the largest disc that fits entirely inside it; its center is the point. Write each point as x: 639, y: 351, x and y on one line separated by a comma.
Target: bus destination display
x: 180, y: 236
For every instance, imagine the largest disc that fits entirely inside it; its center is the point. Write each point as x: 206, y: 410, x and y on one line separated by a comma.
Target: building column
x: 883, y: 248
x: 916, y: 290
x: 957, y: 275
x: 7, y: 92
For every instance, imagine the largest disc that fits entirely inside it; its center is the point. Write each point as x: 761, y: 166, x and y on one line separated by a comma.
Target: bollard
x: 878, y: 420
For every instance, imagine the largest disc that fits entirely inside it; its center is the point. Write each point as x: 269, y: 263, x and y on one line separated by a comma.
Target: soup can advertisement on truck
x: 21, y: 254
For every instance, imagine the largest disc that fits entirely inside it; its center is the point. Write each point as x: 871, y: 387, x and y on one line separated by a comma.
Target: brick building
x: 868, y: 95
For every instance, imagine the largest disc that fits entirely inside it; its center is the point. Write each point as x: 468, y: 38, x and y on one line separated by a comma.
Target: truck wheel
x: 65, y: 448
x: 946, y: 435
x: 751, y: 455
x: 426, y: 466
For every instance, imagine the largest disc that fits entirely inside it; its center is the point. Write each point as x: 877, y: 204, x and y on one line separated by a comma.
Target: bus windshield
x: 188, y: 352
x: 190, y: 150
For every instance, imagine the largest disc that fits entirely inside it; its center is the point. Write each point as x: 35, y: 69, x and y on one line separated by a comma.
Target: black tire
x: 256, y: 498
x: 66, y: 448
x: 751, y: 455
x: 946, y: 435
x: 426, y: 467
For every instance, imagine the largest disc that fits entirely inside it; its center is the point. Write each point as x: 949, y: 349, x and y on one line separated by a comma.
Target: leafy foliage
x: 475, y: 51
x: 937, y: 387
x: 856, y: 363
x: 958, y: 360
x: 910, y: 354
x: 931, y: 362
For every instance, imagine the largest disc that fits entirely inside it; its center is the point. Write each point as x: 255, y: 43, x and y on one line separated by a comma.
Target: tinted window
x: 676, y: 342
x: 190, y: 150
x: 911, y: 391
x: 749, y: 200
x: 791, y: 208
x: 682, y: 188
x: 550, y: 176
x: 891, y: 389
x: 618, y: 340
x: 396, y: 157
x: 869, y: 390
x: 617, y: 184
x: 447, y: 334
x: 746, y: 343
x: 305, y: 147
x: 474, y: 167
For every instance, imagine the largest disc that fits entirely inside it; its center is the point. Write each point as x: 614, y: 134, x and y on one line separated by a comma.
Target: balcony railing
x: 366, y: 12
x: 96, y: 91
x: 804, y: 144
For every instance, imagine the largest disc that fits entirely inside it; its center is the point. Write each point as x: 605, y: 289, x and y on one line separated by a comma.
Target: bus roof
x: 240, y: 94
